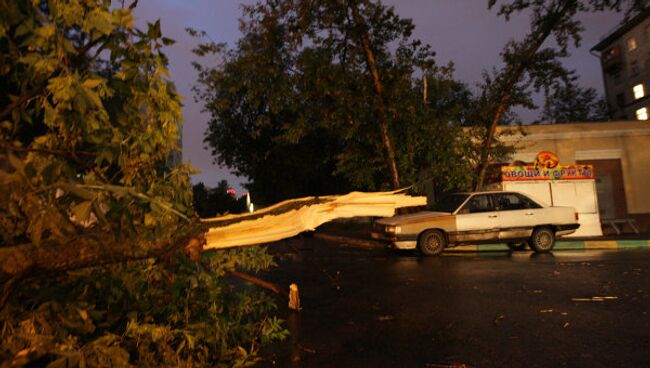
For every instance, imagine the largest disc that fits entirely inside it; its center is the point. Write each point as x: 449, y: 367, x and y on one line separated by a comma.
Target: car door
x: 518, y: 215
x: 477, y: 220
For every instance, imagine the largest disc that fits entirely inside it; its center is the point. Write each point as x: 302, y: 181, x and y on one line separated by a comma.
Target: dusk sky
x: 462, y: 31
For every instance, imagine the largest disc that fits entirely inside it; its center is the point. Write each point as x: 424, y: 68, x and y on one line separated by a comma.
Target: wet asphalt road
x: 376, y: 308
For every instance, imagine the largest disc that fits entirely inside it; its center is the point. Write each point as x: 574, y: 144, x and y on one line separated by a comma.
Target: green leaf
x: 92, y: 83
x: 168, y: 41
x: 154, y: 30
x: 24, y: 28
x: 82, y: 210
x: 101, y: 21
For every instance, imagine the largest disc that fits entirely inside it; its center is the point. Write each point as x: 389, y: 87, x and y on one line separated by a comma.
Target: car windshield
x: 449, y: 203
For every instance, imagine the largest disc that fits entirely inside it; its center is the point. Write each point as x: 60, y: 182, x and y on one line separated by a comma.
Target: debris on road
x: 595, y: 299
x: 306, y: 349
x: 294, y: 297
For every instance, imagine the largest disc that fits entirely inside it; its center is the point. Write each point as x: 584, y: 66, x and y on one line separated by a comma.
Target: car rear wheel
x: 432, y: 242
x: 517, y: 246
x: 542, y: 240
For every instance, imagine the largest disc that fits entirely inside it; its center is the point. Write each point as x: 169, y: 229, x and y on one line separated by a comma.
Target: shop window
x: 638, y: 91
x: 642, y: 114
x: 631, y: 44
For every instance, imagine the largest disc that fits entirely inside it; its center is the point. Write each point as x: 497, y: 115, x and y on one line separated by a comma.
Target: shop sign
x: 560, y: 172
x: 546, y: 167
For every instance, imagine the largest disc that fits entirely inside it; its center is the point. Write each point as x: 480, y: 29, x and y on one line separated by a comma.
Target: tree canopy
x: 294, y: 107
x: 572, y: 103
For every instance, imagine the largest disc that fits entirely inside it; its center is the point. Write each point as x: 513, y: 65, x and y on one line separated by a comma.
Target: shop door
x: 610, y: 187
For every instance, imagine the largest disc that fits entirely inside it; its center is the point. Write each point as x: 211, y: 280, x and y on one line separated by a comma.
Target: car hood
x: 411, y: 217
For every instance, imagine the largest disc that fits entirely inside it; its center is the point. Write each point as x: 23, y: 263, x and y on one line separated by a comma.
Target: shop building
x: 619, y: 152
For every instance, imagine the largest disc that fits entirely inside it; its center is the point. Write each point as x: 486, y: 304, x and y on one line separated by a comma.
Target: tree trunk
x: 379, y: 94
x: 487, y: 142
x: 89, y: 251
x: 511, y: 76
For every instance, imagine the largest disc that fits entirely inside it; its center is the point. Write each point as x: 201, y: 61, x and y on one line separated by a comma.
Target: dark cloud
x: 462, y: 31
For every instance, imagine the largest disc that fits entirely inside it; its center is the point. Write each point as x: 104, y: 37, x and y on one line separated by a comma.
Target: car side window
x: 478, y: 203
x: 508, y: 202
x: 513, y: 201
x: 528, y: 202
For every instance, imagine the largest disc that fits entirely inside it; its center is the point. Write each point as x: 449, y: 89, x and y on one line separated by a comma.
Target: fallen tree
x: 277, y: 222
x: 292, y: 217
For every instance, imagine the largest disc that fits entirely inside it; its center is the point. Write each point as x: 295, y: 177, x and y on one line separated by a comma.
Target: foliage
x: 572, y: 103
x: 293, y: 104
x: 144, y: 314
x: 210, y: 202
x: 88, y: 119
x: 75, y: 124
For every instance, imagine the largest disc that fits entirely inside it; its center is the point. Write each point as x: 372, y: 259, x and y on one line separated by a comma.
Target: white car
x: 481, y: 217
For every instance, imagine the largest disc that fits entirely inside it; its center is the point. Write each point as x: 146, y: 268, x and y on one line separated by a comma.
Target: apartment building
x: 625, y: 60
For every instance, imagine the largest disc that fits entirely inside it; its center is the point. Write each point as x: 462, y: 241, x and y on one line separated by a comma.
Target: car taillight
x: 577, y: 216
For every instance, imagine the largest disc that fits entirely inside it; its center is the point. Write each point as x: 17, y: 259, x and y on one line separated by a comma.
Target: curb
x: 575, y: 245
x: 579, y: 245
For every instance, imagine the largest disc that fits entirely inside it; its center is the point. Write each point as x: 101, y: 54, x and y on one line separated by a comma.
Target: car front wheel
x: 542, y: 240
x: 432, y: 242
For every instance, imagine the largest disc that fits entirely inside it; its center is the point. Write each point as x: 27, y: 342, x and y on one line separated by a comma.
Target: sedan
x: 479, y: 217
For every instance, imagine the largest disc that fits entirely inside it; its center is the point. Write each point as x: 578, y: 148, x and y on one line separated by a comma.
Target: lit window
x: 638, y: 91
x: 631, y: 44
x: 642, y: 114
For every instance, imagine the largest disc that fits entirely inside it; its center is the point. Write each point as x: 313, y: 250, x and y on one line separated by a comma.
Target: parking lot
x: 372, y: 307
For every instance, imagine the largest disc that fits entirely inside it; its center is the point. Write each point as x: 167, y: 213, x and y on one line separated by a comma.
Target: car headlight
x: 393, y: 229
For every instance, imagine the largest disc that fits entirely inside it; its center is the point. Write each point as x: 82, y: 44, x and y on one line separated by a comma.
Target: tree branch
x: 511, y: 76
x: 66, y: 154
x: 379, y: 93
x: 90, y: 250
x: 12, y: 106
x: 261, y: 283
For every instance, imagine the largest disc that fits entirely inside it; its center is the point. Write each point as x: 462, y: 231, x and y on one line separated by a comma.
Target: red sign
x: 546, y: 160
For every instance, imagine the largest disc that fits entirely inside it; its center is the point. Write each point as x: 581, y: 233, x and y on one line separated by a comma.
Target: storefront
x: 619, y: 153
